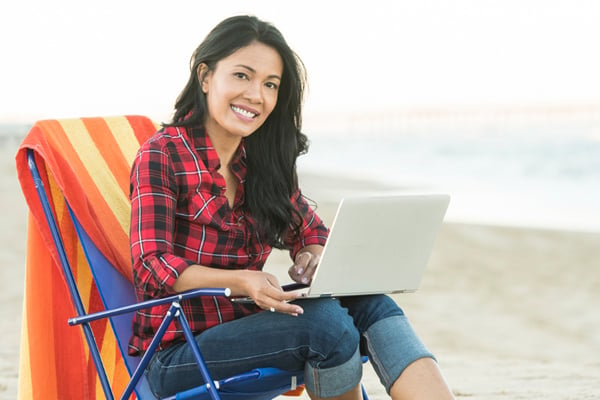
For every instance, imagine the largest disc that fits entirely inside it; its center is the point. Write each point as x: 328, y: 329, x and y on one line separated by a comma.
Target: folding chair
x: 116, y: 290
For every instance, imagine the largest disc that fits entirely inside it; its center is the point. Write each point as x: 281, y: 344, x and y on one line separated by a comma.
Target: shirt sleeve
x: 312, y: 231
x: 153, y: 206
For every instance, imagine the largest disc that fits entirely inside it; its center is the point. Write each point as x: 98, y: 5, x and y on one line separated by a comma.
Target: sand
x: 511, y: 313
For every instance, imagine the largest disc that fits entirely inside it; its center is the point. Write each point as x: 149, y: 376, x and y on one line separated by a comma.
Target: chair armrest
x: 226, y: 292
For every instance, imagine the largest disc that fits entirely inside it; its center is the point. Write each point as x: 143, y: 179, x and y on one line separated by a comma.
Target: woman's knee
x: 367, y: 310
x: 330, y: 329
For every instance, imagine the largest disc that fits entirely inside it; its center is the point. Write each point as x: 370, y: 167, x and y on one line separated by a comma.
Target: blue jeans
x: 326, y: 342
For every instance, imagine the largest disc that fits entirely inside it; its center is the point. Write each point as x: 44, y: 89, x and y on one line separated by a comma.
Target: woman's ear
x: 202, y: 72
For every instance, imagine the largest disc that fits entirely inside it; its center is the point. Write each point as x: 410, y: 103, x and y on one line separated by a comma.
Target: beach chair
x: 77, y: 175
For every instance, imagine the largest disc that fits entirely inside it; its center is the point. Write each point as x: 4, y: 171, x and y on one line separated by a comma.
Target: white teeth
x: 243, y: 112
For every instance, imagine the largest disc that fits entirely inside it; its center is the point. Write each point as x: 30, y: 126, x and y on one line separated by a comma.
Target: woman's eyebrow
x: 272, y: 76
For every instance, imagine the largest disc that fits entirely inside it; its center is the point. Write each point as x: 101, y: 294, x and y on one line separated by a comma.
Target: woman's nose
x: 254, y: 92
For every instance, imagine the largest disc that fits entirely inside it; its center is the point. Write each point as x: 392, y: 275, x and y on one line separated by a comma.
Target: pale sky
x: 81, y: 58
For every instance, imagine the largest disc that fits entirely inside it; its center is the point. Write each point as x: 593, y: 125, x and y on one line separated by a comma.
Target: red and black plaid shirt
x: 180, y: 216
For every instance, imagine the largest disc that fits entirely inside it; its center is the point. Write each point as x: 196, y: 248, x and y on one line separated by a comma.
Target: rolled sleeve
x: 153, y: 206
x: 312, y: 231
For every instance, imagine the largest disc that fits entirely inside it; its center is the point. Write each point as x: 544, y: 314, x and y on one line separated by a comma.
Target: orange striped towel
x: 87, y: 162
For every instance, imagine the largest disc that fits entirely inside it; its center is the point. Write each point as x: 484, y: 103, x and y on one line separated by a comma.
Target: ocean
x: 540, y: 170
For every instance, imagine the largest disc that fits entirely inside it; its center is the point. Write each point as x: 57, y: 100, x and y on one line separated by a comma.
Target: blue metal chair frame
x: 274, y: 381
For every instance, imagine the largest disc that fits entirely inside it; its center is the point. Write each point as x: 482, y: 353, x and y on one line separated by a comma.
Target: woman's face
x: 241, y: 92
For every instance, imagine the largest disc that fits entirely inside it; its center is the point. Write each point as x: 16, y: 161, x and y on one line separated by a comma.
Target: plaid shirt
x: 180, y: 216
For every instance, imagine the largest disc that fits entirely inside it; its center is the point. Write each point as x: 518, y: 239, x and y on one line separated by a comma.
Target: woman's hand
x: 265, y: 290
x: 305, y: 264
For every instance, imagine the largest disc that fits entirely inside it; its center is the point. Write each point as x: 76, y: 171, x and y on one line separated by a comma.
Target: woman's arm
x: 262, y: 287
x: 307, y: 247
x: 153, y: 207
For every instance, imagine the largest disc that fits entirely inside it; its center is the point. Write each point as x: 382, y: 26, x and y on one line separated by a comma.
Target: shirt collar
x: 207, y: 153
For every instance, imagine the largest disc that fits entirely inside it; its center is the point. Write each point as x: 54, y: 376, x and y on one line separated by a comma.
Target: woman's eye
x: 240, y: 75
x: 272, y: 85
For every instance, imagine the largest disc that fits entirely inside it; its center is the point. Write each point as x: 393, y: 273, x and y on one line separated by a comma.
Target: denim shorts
x: 326, y: 341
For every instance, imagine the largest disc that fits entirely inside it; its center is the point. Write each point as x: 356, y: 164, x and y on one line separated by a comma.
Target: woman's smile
x: 244, y: 112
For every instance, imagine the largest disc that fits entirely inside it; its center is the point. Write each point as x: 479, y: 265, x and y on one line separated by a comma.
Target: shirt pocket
x: 206, y: 208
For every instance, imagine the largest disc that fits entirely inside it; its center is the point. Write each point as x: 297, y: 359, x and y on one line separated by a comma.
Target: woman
x: 212, y: 193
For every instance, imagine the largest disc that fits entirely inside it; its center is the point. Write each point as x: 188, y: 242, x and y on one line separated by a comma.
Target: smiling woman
x: 257, y: 72
x: 211, y: 194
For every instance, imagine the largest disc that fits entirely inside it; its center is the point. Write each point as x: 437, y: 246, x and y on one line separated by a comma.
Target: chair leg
x: 187, y: 332
x: 139, y: 371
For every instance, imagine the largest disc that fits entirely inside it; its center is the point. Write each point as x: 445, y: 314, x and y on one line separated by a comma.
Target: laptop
x: 377, y: 244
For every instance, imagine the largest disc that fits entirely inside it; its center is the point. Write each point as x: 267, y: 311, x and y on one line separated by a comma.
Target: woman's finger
x: 311, y: 268
x: 302, y: 270
x: 305, y: 266
x: 286, y: 308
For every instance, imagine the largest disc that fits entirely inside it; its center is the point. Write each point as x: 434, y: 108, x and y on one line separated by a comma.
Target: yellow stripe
x: 108, y: 352
x: 58, y: 200
x: 84, y: 278
x: 121, y: 378
x: 128, y: 145
x: 98, y: 170
x: 124, y: 135
x: 99, y: 390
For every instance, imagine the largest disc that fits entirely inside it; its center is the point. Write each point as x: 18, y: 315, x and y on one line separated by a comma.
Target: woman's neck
x: 225, y: 146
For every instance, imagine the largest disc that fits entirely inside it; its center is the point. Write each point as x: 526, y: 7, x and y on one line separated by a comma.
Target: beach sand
x: 511, y: 313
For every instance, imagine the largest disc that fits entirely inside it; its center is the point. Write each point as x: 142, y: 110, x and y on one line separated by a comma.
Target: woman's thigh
x: 324, y: 336
x: 367, y: 310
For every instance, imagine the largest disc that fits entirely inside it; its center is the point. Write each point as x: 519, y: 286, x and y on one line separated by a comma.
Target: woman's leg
x: 323, y: 342
x: 353, y: 394
x: 404, y: 365
x: 421, y: 380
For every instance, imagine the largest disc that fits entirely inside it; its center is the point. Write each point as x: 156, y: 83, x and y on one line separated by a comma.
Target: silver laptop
x: 378, y: 244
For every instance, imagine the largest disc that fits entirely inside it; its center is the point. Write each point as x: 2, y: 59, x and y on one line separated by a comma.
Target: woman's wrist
x: 312, y: 249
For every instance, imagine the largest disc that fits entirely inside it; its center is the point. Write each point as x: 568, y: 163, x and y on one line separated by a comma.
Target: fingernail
x: 304, y: 280
x: 300, y: 271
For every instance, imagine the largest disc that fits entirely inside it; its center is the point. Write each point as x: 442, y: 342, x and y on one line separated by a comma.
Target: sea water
x: 534, y: 172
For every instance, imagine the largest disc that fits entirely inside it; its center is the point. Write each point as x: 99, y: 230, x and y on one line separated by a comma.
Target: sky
x: 66, y: 58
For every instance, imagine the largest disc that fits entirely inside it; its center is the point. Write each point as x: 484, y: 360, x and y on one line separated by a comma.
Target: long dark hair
x: 273, y: 149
